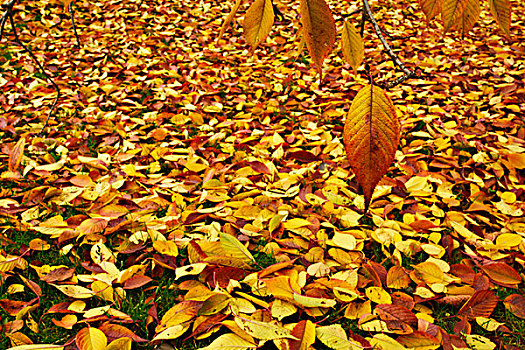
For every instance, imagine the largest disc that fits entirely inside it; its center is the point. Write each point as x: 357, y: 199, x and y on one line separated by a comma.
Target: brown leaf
x: 502, y: 274
x: 501, y: 10
x: 419, y: 340
x: 15, y: 157
x: 258, y: 22
x: 481, y: 303
x: 58, y: 275
x: 136, y: 281
x: 398, y: 318
x: 319, y: 30
x: 371, y: 136
x: 515, y: 303
x: 115, y: 331
x: 452, y: 12
x: 431, y: 8
x: 397, y: 278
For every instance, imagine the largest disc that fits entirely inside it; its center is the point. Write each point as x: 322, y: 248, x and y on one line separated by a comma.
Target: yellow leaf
x: 258, y: 22
x: 73, y: 291
x: 230, y: 341
x: 352, y: 46
x: 318, y: 29
x: 232, y: 247
x: 281, y: 309
x: 334, y: 336
x: 37, y: 347
x: 488, y: 323
x: 344, y: 240
x: 123, y: 343
x: 378, y: 295
x: 429, y: 272
x: 166, y: 248
x: 91, y: 339
x: 307, y: 301
x: 501, y: 10
x: 371, y: 137
x: 478, y: 342
x: 214, y: 304
x: 172, y: 332
x: 262, y: 330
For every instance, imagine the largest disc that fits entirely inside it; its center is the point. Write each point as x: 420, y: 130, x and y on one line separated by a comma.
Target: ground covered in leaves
x: 188, y: 191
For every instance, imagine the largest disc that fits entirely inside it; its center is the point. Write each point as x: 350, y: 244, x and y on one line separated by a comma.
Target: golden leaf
x: 371, y: 137
x: 352, y: 46
x: 501, y: 10
x: 318, y: 30
x: 91, y: 339
x: 431, y: 8
x: 258, y: 22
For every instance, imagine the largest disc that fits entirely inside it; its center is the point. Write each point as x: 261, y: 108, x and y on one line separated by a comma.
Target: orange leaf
x: 115, y: 331
x: 501, y: 10
x: 502, y: 274
x: 319, y: 30
x: 352, y: 45
x: 469, y: 17
x: 371, y: 137
x: 452, y: 11
x: 481, y: 303
x: 419, y: 340
x: 397, y: 278
x: 15, y: 157
x: 258, y: 22
x: 431, y: 8
x: 515, y: 303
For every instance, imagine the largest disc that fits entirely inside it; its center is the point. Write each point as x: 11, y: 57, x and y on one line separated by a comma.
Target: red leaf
x: 480, y: 304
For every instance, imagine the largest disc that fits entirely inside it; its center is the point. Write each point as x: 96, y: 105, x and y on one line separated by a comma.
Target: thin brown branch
x: 8, y: 7
x: 72, y: 15
x: 408, y: 73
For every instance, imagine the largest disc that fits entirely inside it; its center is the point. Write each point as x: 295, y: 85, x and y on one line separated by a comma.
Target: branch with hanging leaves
x: 8, y: 14
x: 408, y: 73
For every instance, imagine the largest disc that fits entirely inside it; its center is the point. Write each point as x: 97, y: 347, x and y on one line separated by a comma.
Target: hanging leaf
x: 469, y: 17
x: 431, y: 8
x: 91, y: 339
x: 352, y: 45
x: 319, y: 30
x: 481, y: 303
x: 371, y: 137
x: 501, y: 10
x: 229, y: 18
x: 452, y: 11
x: 258, y: 22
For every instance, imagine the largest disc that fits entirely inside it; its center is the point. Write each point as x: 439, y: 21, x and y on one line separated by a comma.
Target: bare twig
x: 408, y: 73
x: 72, y: 15
x: 363, y: 19
x: 8, y: 7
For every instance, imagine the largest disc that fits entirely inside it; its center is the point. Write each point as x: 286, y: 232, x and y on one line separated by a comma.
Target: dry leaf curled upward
x: 258, y: 22
x: 319, y: 30
x: 371, y: 137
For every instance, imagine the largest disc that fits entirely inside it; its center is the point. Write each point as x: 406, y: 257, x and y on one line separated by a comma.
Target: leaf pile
x: 190, y: 189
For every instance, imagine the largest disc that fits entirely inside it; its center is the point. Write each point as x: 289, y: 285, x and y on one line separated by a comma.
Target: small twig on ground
x: 72, y: 15
x: 8, y: 7
x: 408, y: 73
